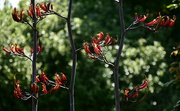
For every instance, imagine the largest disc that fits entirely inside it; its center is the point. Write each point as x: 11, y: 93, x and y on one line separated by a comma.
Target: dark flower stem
x: 116, y: 64
x: 34, y: 100
x: 74, y: 57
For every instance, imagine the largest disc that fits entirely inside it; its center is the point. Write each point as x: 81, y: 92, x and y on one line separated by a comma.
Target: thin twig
x: 133, y: 28
x: 22, y: 55
x: 53, y: 12
x: 25, y: 22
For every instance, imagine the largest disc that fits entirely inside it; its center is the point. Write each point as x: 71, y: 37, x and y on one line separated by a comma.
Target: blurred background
x: 144, y: 53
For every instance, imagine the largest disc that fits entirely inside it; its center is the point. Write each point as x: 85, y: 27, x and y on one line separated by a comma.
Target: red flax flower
x: 56, y: 87
x: 86, y: 48
x: 64, y: 78
x: 43, y: 77
x: 19, y: 50
x: 134, y: 93
x: 88, y: 51
x: 34, y: 87
x: 39, y: 49
x: 18, y: 91
x: 12, y: 48
x: 38, y: 11
x: 46, y: 7
x: 109, y: 40
x: 37, y: 79
x: 143, y: 85
x: 7, y: 51
x: 140, y: 18
x: 44, y: 89
x: 100, y: 36
x: 30, y: 11
x: 131, y: 94
x: 97, y: 49
x: 17, y: 17
x: 58, y: 79
x: 43, y: 7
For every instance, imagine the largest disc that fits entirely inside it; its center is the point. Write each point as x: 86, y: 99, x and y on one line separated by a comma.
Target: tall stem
x: 34, y: 100
x: 74, y: 57
x: 116, y: 64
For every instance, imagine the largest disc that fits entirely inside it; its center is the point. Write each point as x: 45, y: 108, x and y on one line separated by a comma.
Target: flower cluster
x: 15, y: 50
x: 161, y: 22
x: 19, y: 93
x: 94, y: 49
x: 40, y: 85
x: 129, y: 95
x: 17, y: 17
x: 40, y: 11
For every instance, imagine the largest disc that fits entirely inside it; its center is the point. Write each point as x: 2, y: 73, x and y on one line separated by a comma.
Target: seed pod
x: 52, y: 7
x: 48, y: 5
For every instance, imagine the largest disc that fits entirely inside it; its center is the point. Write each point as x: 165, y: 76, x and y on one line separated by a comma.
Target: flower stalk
x: 74, y: 58
x: 34, y: 100
x: 93, y: 50
x: 117, y: 60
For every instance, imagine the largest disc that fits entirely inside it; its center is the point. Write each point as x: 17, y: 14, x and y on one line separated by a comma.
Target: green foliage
x: 176, y: 107
x: 143, y: 53
x: 175, y: 4
x: 175, y: 70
